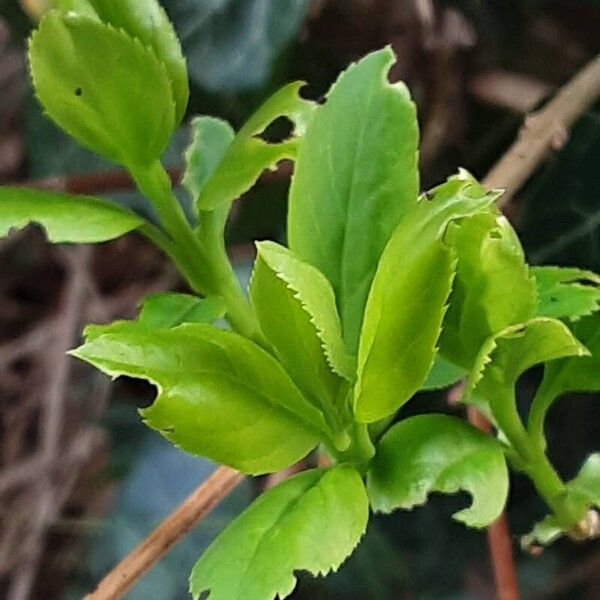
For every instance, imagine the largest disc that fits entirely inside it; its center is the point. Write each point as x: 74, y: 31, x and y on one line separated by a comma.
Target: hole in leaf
x: 278, y: 131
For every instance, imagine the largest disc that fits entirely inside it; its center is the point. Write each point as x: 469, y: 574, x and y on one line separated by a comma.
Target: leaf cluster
x: 380, y: 293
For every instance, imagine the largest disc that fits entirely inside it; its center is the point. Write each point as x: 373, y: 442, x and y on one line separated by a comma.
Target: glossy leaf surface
x: 355, y: 177
x: 164, y: 311
x: 71, y: 219
x: 296, y: 310
x: 311, y: 522
x: 407, y: 301
x: 438, y: 453
x: 219, y: 395
x: 104, y: 88
x: 492, y: 289
x: 248, y: 155
x: 566, y: 293
x: 147, y: 22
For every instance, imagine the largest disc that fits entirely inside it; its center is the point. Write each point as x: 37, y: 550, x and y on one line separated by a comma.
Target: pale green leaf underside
x: 407, y: 301
x: 443, y: 374
x: 219, y: 395
x: 164, y: 311
x: 438, y: 453
x: 566, y: 293
x: 104, y: 88
x: 492, y: 289
x: 69, y: 219
x: 211, y: 138
x: 356, y: 176
x: 311, y: 522
x: 248, y: 155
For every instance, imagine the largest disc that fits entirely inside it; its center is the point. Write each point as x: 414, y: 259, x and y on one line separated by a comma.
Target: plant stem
x: 533, y: 459
x: 203, y: 261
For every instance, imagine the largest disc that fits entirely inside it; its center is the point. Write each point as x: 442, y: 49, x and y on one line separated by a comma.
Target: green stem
x: 533, y: 460
x: 203, y: 262
x: 361, y: 449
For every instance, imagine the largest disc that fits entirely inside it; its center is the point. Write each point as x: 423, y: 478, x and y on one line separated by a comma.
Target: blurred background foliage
x: 475, y: 68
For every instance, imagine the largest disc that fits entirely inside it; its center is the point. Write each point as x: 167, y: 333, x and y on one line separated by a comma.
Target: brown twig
x: 545, y: 130
x: 167, y: 534
x: 511, y: 172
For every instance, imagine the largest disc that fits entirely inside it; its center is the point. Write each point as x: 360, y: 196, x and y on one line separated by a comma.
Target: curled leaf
x: 438, y: 453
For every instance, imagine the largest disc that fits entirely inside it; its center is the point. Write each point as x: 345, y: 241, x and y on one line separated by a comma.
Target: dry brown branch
x: 545, y: 130
x: 167, y: 534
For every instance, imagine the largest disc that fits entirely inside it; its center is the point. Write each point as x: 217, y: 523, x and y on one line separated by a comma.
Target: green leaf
x: 566, y: 293
x: 210, y: 140
x: 219, y: 395
x: 438, y: 453
x: 492, y: 288
x: 147, y: 22
x: 571, y: 374
x: 104, y: 88
x: 506, y: 356
x: 311, y: 522
x: 443, y: 374
x: 164, y: 311
x: 355, y: 178
x: 583, y: 493
x: 248, y: 155
x: 296, y: 311
x: 407, y: 301
x: 71, y: 219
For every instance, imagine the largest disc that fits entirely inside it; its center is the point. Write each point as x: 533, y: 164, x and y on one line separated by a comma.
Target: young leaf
x: 438, y: 453
x: 164, y: 311
x: 148, y: 22
x: 311, y: 522
x: 571, y: 374
x: 219, y: 395
x: 104, y: 88
x: 566, y: 293
x: 583, y: 492
x: 407, y: 302
x: 356, y: 176
x: 248, y: 155
x: 506, y: 356
x: 296, y: 309
x: 492, y: 288
x: 71, y: 219
x: 443, y: 374
x: 210, y: 139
